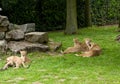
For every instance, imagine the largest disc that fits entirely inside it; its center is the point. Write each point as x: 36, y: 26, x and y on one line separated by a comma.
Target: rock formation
x: 15, y: 37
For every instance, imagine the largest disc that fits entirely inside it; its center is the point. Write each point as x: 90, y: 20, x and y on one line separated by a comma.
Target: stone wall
x: 15, y: 37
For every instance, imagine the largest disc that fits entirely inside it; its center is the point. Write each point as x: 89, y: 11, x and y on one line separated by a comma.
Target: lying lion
x: 17, y: 61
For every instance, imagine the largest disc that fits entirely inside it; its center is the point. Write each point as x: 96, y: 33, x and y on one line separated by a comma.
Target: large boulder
x: 2, y: 35
x: 13, y: 26
x: 23, y: 45
x: 3, y: 45
x: 15, y: 35
x: 37, y: 37
x: 54, y: 45
x: 29, y: 27
x: 3, y: 28
x: 4, y: 23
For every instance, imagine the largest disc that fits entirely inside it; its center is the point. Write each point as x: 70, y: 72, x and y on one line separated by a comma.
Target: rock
x: 29, y: 27
x: 13, y: 26
x: 3, y: 42
x: 3, y: 18
x: 3, y: 45
x: 23, y: 45
x: 15, y: 35
x: 4, y: 21
x: 37, y: 37
x: 54, y: 45
x: 3, y: 28
x: 2, y: 35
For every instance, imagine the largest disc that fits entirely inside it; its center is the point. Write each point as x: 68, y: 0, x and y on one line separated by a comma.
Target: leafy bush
x: 52, y: 14
x: 104, y: 11
x: 19, y: 11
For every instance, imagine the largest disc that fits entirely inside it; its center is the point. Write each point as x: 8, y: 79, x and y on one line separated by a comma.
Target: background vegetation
x: 51, y: 14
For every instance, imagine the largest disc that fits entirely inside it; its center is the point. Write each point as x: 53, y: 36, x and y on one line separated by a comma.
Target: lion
x: 94, y: 50
x: 17, y: 61
x: 78, y: 46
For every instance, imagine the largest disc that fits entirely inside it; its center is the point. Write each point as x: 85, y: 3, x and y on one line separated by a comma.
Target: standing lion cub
x: 17, y: 61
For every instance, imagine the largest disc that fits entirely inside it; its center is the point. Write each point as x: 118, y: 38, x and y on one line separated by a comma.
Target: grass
x: 69, y: 69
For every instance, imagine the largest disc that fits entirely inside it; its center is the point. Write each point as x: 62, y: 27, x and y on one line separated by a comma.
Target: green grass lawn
x: 70, y: 69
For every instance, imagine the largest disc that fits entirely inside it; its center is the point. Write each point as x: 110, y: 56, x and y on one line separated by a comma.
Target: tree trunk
x: 119, y: 23
x: 88, y: 22
x: 71, y: 18
x: 118, y: 29
x: 119, y: 18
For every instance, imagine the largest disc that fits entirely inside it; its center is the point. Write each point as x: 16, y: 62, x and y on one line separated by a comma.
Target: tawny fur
x: 74, y: 48
x: 13, y: 61
x: 24, y: 56
x: 17, y: 61
x: 78, y: 47
x: 94, y: 50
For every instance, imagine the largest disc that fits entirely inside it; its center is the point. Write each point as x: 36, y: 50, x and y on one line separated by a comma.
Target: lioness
x: 94, y: 50
x: 75, y: 48
x: 78, y: 46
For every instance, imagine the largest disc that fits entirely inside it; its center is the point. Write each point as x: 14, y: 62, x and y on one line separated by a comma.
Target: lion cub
x: 24, y: 57
x: 84, y: 45
x: 94, y: 50
x: 78, y: 46
x: 75, y: 48
x: 17, y: 61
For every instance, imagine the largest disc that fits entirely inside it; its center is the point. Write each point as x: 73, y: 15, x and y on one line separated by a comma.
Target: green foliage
x: 51, y: 14
x: 105, y: 11
x: 19, y: 11
x: 70, y: 69
x: 9, y: 4
x: 80, y: 13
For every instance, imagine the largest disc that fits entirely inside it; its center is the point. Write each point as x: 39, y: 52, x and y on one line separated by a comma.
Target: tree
x: 71, y: 18
x: 119, y: 24
x: 119, y: 17
x: 119, y: 21
x: 88, y: 21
